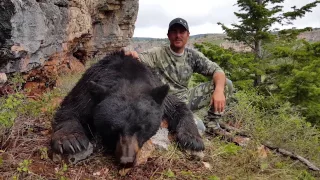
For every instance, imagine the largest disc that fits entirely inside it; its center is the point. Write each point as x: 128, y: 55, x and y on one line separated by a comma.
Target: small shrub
x: 169, y: 174
x: 24, y: 166
x: 213, y: 178
x: 8, y: 109
x: 61, y: 172
x: 43, y: 153
x: 304, y: 175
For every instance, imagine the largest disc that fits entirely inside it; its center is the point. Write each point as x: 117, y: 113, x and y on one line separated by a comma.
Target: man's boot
x: 212, y: 121
x: 200, y: 125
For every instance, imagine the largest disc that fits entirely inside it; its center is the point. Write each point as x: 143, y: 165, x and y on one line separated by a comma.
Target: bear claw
x: 72, y: 149
x: 69, y: 144
x: 61, y: 150
x: 190, y: 142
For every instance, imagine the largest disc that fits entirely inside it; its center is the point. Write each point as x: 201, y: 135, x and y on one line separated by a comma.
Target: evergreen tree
x: 238, y: 66
x: 293, y: 75
x: 256, y: 19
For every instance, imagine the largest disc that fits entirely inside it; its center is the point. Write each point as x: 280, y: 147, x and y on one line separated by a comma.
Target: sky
x: 203, y: 15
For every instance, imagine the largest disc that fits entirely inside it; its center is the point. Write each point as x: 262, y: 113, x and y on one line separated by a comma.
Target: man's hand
x: 134, y: 54
x: 218, y: 100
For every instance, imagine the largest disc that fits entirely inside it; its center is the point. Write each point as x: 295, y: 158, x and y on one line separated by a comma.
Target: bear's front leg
x: 181, y: 122
x: 69, y: 137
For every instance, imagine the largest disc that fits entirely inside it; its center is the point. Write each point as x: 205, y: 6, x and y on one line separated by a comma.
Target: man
x: 175, y: 64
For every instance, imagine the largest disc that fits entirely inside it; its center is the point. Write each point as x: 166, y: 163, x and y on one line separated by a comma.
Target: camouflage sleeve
x: 148, y: 57
x: 203, y: 65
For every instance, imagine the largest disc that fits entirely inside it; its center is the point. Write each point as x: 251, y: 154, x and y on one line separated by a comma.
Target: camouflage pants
x: 199, y: 97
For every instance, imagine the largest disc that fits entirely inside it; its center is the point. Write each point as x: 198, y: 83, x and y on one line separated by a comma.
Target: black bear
x: 122, y: 100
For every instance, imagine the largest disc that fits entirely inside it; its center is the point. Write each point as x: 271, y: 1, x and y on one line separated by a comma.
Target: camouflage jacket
x: 176, y: 71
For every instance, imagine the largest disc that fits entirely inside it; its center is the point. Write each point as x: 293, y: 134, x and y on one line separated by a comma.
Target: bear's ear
x: 96, y: 89
x: 159, y: 93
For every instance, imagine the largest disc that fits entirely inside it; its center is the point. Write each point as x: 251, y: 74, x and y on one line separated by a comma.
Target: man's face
x: 178, y: 36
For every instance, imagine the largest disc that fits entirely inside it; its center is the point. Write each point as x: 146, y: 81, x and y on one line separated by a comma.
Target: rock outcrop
x: 51, y: 36
x: 311, y: 36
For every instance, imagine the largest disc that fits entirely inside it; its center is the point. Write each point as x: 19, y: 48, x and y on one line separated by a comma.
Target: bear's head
x: 128, y: 118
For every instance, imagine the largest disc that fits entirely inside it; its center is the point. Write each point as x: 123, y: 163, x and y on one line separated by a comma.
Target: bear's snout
x: 127, y: 160
x: 127, y: 150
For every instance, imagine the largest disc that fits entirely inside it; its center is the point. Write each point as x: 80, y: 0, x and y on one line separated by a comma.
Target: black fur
x: 120, y: 96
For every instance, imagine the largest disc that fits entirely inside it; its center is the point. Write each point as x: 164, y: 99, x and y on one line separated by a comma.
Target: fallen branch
x: 294, y: 156
x: 242, y: 140
x: 239, y: 140
x: 233, y: 129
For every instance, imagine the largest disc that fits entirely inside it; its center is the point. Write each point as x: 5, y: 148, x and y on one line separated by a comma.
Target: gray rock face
x: 32, y: 31
x: 6, y: 12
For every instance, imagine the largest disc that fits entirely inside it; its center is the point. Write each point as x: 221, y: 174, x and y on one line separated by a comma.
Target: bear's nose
x: 126, y: 160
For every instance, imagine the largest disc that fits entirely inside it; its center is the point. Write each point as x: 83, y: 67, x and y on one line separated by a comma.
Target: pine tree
x: 238, y: 66
x: 294, y: 75
x: 256, y: 19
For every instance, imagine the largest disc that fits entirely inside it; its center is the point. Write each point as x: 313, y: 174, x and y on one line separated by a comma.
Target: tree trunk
x: 257, y: 51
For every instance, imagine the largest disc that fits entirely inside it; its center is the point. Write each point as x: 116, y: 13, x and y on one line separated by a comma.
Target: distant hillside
x: 312, y: 36
x: 143, y: 43
x: 140, y: 44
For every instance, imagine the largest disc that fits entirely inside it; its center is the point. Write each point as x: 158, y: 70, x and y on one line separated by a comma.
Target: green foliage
x: 213, y: 178
x: 228, y: 149
x: 304, y: 175
x: 24, y: 166
x: 1, y: 161
x: 61, y: 172
x: 196, y: 79
x: 9, y: 106
x: 43, y: 153
x: 256, y: 18
x: 169, y: 174
x: 299, y: 12
x: 8, y: 109
x: 231, y: 149
x: 16, y: 80
x: 291, y: 34
x: 239, y: 67
x: 293, y: 72
x: 189, y: 174
x: 17, y: 104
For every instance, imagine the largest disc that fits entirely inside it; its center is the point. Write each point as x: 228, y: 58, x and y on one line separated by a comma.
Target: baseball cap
x: 179, y: 21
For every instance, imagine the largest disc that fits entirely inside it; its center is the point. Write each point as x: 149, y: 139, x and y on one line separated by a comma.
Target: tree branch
x: 294, y: 156
x: 243, y: 141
